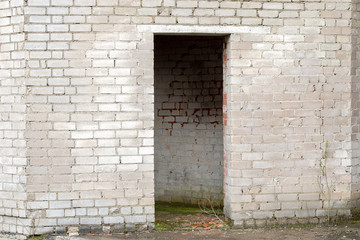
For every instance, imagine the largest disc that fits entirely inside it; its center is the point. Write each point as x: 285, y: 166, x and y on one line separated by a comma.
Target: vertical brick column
x: 12, y: 119
x: 355, y: 104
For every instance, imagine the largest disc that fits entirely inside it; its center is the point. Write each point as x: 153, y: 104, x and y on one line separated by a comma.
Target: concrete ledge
x: 208, y: 30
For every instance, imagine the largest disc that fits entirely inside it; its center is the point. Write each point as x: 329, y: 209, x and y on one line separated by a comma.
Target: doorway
x: 188, y: 119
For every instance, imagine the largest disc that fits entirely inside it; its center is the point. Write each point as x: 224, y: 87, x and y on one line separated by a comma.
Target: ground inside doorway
x: 172, y: 217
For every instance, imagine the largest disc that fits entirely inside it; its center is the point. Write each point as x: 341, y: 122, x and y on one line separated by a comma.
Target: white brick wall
x: 281, y: 118
x: 88, y: 95
x: 12, y: 115
x: 77, y: 96
x: 353, y: 159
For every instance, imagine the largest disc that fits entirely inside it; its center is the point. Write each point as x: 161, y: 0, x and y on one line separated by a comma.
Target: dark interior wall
x: 188, y: 118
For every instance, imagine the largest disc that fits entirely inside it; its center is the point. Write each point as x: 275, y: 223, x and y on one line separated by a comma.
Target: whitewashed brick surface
x: 13, y: 119
x: 77, y: 108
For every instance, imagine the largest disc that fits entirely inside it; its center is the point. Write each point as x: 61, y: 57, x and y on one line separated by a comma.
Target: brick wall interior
x: 188, y: 118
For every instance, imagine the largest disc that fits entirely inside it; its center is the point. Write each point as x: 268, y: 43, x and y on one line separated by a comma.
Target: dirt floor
x: 179, y: 222
x: 172, y: 217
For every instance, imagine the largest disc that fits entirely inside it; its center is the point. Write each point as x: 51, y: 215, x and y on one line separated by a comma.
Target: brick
x: 60, y: 204
x: 223, y: 12
x: 268, y: 14
x: 61, y: 2
x: 135, y: 219
x: 268, y: 5
x: 284, y: 214
x: 151, y: 3
x: 246, y: 13
x: 54, y: 213
x: 37, y: 3
x: 186, y: 4
x: 263, y: 214
x: 208, y: 4
x: 105, y: 203
x: 84, y: 2
x: 83, y: 203
x: 107, y: 2
x: 147, y: 11
x: 37, y: 205
x: 181, y: 12
x: 90, y: 221
x: 187, y: 20
x: 112, y: 220
x: 68, y: 221
x: 266, y: 198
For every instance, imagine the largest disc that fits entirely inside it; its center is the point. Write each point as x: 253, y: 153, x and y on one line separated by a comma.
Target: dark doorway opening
x: 188, y: 119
